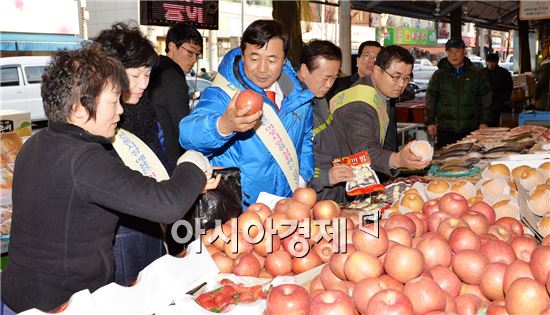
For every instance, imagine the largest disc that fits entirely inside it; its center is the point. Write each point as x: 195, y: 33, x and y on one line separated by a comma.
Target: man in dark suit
x: 366, y: 58
x: 168, y: 88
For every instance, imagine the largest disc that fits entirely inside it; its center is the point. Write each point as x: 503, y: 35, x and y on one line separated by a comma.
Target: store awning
x: 495, y: 15
x: 38, y: 42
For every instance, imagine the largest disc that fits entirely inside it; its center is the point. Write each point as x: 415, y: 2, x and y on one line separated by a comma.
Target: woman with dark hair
x: 68, y: 190
x: 138, y: 242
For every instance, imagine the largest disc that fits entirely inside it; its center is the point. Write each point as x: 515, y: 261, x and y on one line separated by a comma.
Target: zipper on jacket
x: 458, y: 107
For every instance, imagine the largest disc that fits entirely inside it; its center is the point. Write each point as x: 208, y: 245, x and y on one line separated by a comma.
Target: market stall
x: 471, y: 234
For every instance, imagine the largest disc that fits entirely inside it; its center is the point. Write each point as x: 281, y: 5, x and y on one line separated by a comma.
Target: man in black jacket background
x: 366, y: 57
x: 168, y: 88
x: 501, y: 87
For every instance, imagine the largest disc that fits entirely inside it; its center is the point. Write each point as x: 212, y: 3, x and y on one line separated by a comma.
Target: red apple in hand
x: 288, y: 299
x: 389, y: 302
x: 249, y: 98
x: 330, y: 302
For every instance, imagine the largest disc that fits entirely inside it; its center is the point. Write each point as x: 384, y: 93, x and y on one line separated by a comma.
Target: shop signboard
x: 39, y: 16
x: 202, y: 14
x: 409, y: 36
x: 534, y: 10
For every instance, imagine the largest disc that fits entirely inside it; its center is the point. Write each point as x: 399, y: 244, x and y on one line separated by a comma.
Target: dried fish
x: 496, y: 155
x: 516, y: 138
x: 458, y: 153
x: 490, y: 130
x: 474, y: 154
x: 506, y: 148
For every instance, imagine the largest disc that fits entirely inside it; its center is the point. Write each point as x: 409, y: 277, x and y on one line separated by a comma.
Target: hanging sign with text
x: 534, y: 10
x: 202, y: 14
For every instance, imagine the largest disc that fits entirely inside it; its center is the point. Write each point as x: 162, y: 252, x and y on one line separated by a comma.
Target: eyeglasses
x: 368, y: 56
x: 191, y: 54
x: 397, y: 79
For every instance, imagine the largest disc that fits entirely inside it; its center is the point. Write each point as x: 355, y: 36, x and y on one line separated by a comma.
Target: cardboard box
x: 15, y: 120
x: 525, y: 81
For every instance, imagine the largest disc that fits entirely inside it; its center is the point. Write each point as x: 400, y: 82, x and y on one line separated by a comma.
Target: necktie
x: 271, y: 96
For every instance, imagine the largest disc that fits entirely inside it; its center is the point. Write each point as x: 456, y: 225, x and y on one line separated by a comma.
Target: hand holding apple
x: 237, y: 119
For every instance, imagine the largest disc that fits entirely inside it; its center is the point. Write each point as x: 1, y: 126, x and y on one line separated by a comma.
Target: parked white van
x: 20, y: 84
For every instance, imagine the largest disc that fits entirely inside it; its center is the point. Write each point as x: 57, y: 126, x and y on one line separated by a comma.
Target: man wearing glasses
x: 366, y: 58
x: 458, y: 99
x: 361, y: 113
x: 168, y: 88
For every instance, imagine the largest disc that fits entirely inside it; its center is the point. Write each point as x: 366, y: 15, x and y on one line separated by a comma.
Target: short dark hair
x: 391, y: 53
x: 79, y: 76
x: 180, y: 33
x: 316, y: 49
x: 370, y: 43
x: 455, y: 43
x: 128, y: 45
x: 262, y: 31
x: 492, y: 58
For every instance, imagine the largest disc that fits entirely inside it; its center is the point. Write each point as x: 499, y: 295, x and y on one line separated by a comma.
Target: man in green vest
x: 361, y: 117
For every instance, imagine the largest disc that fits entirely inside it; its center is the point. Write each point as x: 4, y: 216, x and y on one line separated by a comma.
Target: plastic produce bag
x: 222, y: 203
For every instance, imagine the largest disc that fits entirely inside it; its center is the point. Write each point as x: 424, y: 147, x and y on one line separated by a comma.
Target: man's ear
x: 303, y: 70
x: 172, y: 46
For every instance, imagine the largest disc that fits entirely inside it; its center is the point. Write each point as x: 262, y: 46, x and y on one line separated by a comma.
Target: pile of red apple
x: 451, y: 257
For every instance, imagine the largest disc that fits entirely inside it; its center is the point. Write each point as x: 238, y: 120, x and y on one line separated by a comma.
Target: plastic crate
x: 538, y: 118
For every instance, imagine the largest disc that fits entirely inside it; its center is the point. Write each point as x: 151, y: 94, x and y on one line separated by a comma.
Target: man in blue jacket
x: 273, y: 147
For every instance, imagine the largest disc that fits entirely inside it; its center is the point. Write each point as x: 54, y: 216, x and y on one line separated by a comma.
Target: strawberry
x: 256, y: 292
x: 246, y: 298
x: 204, y: 298
x: 225, y: 282
x: 228, y: 290
x: 211, y: 306
x: 240, y: 288
x: 221, y: 300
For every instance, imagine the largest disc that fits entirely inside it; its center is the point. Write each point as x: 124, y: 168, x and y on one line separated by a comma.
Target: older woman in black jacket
x: 68, y: 190
x: 138, y: 242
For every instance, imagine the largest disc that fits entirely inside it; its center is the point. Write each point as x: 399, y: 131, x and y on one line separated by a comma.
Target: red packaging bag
x: 365, y: 180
